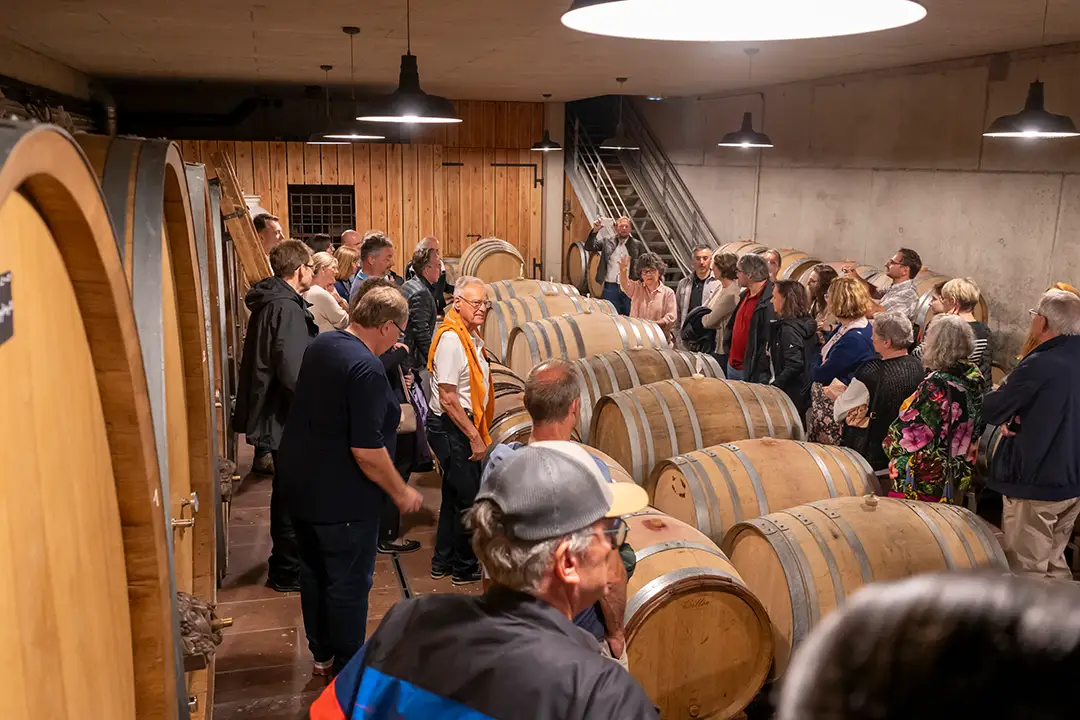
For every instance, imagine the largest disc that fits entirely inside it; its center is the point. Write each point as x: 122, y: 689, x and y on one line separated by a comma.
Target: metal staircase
x: 643, y: 185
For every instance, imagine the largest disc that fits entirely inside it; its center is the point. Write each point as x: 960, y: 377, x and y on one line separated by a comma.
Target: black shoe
x: 471, y: 578
x: 263, y: 465
x: 283, y: 587
x: 401, y: 546
x: 438, y: 573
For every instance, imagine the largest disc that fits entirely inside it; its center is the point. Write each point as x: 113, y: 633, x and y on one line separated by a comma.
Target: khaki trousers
x: 1036, y: 533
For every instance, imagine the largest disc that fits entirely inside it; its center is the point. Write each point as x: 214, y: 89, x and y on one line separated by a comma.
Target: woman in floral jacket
x: 932, y: 444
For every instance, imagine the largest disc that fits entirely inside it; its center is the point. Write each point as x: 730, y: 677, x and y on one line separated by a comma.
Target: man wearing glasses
x: 546, y: 523
x: 902, y: 296
x: 462, y: 408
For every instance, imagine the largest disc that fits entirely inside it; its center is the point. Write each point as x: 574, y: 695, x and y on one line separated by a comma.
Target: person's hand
x: 478, y: 448
x: 624, y: 264
x: 409, y: 501
x: 847, y: 267
x: 401, y: 346
x: 408, y: 380
x: 617, y: 644
x: 1006, y: 432
x: 598, y: 224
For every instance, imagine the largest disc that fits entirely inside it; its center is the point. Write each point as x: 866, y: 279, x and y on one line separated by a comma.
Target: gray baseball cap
x: 554, y: 488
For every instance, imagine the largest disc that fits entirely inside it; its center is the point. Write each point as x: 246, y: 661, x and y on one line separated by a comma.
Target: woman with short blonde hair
x: 327, y: 305
x: 348, y: 262
x: 848, y: 299
x: 959, y: 297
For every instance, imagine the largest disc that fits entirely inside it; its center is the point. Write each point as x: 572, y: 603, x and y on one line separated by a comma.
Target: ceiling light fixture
x: 1034, y: 121
x: 655, y: 98
x: 746, y: 136
x: 323, y: 138
x: 738, y: 20
x: 546, y: 144
x: 351, y: 134
x: 619, y: 141
x: 409, y: 103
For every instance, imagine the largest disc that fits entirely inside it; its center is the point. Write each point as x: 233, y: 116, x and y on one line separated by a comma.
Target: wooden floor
x: 263, y: 664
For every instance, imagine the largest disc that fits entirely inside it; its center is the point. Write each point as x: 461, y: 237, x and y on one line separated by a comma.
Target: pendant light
x: 619, y: 141
x: 1034, y: 121
x: 322, y: 138
x: 410, y: 104
x: 746, y: 136
x: 738, y: 20
x: 351, y: 134
x: 546, y: 144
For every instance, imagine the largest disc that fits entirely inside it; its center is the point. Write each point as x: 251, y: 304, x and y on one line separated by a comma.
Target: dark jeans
x: 284, y: 557
x: 733, y: 374
x: 336, y: 565
x: 460, y: 483
x: 613, y: 293
x: 389, y: 517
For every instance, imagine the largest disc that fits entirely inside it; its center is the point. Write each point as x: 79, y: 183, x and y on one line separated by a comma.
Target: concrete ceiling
x: 482, y: 49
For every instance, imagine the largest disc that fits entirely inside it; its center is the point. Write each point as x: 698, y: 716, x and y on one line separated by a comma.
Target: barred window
x: 314, y: 209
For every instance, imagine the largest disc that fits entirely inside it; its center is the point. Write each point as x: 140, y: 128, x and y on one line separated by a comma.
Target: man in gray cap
x: 544, y: 525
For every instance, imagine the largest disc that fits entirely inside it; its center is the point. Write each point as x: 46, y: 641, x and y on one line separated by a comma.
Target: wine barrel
x: 743, y: 247
x: 506, y: 315
x: 618, y: 472
x: 869, y: 273
x: 602, y: 374
x: 453, y: 270
x: 596, y: 289
x: 504, y: 380
x: 87, y: 616
x: 512, y: 422
x: 804, y: 561
x: 492, y: 259
x: 577, y: 266
x: 716, y: 487
x: 984, y: 460
x: 795, y: 264
x: 146, y: 191
x: 698, y: 639
x: 642, y: 426
x: 924, y: 286
x: 522, y: 287
x: 576, y: 336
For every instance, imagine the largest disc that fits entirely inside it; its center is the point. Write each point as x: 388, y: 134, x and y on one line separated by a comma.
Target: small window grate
x: 326, y: 209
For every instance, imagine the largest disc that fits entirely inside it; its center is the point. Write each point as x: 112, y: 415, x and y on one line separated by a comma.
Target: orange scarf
x: 477, y: 382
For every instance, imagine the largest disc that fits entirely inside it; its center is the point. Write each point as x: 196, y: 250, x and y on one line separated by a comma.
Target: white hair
x: 465, y: 281
x: 948, y: 341
x: 894, y: 327
x: 1062, y: 312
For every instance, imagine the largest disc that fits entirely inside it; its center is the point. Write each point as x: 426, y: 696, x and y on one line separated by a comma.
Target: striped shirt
x: 982, y: 356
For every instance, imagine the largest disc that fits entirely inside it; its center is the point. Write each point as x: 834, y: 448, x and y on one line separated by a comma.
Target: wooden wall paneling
x: 516, y: 230
x: 260, y: 173
x: 452, y: 131
x: 294, y: 157
x: 535, y: 205
x: 488, y: 218
x: 312, y: 164
x: 467, y: 128
x: 345, y: 164
x: 488, y: 139
x: 575, y: 223
x: 328, y: 159
x: 279, y: 182
x: 499, y: 205
x: 378, y: 219
x: 477, y: 171
x: 516, y: 134
x: 452, y: 207
x: 190, y: 150
x: 537, y: 124
x: 438, y: 193
x: 245, y: 172
x: 394, y: 202
x: 362, y: 184
x: 229, y: 148
x: 502, y: 125
x: 410, y: 200
x: 425, y: 166
x: 206, y: 149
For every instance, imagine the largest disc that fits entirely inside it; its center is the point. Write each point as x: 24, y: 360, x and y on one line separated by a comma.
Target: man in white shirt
x: 457, y: 427
x: 612, y: 251
x: 902, y: 296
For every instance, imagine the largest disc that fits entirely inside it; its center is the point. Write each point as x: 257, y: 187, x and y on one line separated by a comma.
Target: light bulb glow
x: 739, y: 20
x: 354, y: 136
x: 420, y: 119
x: 1031, y: 134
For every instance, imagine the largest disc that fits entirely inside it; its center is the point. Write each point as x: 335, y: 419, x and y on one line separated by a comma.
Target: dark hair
x: 550, y: 390
x: 374, y: 241
x: 319, y: 243
x: 287, y: 257
x: 699, y: 248
x: 911, y: 260
x: 993, y: 646
x: 727, y: 263
x: 796, y: 298
x: 651, y: 261
x: 421, y: 258
x: 826, y: 274
x: 261, y: 219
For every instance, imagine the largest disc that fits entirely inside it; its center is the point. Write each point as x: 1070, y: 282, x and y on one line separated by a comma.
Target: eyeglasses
x: 1034, y: 313
x: 310, y: 267
x: 485, y: 305
x: 617, y: 532
x: 400, y: 329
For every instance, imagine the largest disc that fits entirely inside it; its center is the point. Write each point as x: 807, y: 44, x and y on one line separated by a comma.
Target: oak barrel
x: 716, y: 487
x: 571, y: 337
x: 577, y: 266
x: 642, y: 426
x: 512, y: 422
x: 87, y: 616
x: 795, y: 264
x: 145, y: 187
x: 804, y: 561
x: 492, y: 259
x: 742, y: 247
x: 869, y: 273
x: 523, y: 287
x: 505, y: 315
x: 504, y: 380
x: 596, y: 289
x: 602, y: 374
x: 618, y: 472
x: 698, y: 639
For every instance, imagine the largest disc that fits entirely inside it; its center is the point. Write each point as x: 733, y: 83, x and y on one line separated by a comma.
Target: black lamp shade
x: 547, y: 144
x: 1033, y: 121
x: 409, y: 103
x: 746, y: 136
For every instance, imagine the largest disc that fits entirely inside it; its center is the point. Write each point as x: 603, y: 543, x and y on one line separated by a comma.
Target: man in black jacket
x: 1036, y: 467
x: 747, y: 336
x: 612, y: 251
x: 279, y: 331
x: 437, y: 286
x: 419, y: 290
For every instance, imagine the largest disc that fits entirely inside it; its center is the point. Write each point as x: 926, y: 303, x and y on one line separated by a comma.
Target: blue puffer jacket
x: 846, y: 356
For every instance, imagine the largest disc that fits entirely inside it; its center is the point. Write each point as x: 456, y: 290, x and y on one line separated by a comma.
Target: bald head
x: 351, y: 239
x: 552, y: 394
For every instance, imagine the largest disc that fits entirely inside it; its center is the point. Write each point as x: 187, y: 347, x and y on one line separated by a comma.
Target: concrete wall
x: 865, y: 164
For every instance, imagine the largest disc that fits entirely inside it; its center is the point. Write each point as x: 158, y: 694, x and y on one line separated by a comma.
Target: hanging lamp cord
x: 1042, y: 40
x: 408, y: 27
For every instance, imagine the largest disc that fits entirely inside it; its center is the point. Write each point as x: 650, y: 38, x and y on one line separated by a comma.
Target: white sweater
x: 328, y: 314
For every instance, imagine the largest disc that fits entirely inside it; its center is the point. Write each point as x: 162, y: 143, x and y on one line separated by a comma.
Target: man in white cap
x: 544, y: 525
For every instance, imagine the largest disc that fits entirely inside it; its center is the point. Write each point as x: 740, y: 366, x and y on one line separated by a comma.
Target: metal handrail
x: 589, y: 167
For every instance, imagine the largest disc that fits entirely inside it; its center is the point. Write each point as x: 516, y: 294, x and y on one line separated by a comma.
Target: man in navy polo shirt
x: 336, y: 464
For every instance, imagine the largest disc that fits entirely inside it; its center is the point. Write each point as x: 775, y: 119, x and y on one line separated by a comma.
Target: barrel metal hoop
x: 994, y: 554
x: 560, y: 338
x: 830, y: 449
x: 688, y: 465
x: 710, y: 361
x: 511, y: 306
x: 543, y: 305
x: 650, y: 456
x: 822, y: 467
x: 672, y: 433
x: 866, y: 572
x: 733, y: 490
x: 785, y: 400
x: 631, y: 369
x: 916, y: 506
x: 114, y: 185
x: 691, y: 411
x: 677, y: 545
x: 755, y: 477
x: 504, y: 331
x: 666, y: 355
x: 530, y: 337
x: 590, y: 390
x: 620, y: 321
x: 582, y: 351
x: 826, y: 552
x: 658, y: 585
x: 954, y: 522
x: 870, y: 479
x: 788, y: 412
x: 634, y: 324
x: 506, y: 436
x: 801, y: 588
x: 620, y: 400
x: 765, y: 409
x: 542, y: 327
x: 734, y: 386
x: 577, y: 302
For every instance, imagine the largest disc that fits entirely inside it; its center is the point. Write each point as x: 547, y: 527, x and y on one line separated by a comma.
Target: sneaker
x: 471, y: 578
x: 439, y: 573
x: 401, y: 546
x: 263, y: 465
x: 283, y: 587
x: 323, y: 669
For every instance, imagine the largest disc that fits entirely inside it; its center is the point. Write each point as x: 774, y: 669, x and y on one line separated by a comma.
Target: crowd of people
x: 352, y: 378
